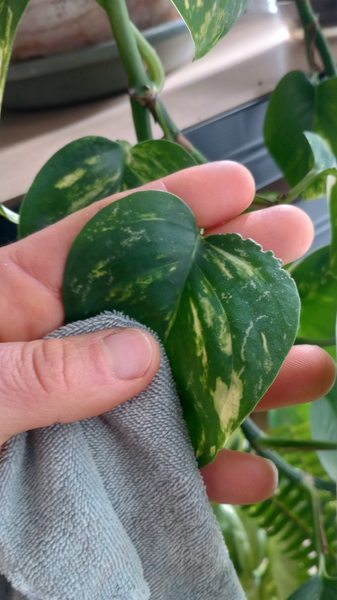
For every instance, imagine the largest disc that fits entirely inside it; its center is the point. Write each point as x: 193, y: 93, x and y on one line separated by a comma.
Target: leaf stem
x: 253, y: 432
x: 304, y: 445
x: 314, y: 36
x: 141, y: 121
x: 140, y: 85
x: 151, y: 59
x: 321, y: 343
x: 171, y: 130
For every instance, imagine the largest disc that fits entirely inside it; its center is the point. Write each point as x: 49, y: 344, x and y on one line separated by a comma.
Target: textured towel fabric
x: 111, y: 508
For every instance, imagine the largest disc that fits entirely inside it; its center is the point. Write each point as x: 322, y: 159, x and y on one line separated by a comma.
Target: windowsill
x: 245, y: 65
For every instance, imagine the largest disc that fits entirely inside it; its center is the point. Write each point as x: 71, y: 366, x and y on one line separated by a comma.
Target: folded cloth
x: 112, y: 507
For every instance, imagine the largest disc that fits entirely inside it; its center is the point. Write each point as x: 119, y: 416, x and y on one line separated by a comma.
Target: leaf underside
x: 209, y: 20
x: 225, y: 311
x: 11, y: 12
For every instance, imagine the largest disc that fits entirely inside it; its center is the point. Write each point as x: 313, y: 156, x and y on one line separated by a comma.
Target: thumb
x: 64, y: 380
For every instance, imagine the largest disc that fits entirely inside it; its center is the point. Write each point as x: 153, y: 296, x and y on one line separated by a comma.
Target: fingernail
x: 130, y: 352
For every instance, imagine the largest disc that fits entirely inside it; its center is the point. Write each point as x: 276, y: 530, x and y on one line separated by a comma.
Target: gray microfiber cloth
x: 112, y: 507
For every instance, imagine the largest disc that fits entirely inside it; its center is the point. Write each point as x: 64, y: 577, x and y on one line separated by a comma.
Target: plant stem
x: 151, y: 59
x: 171, y: 130
x: 253, y: 432
x: 141, y: 121
x: 269, y: 441
x: 140, y: 85
x: 322, y: 343
x: 315, y: 36
x: 298, y: 188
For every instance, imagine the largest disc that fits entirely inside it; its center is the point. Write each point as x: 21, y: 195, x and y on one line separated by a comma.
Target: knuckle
x: 52, y: 368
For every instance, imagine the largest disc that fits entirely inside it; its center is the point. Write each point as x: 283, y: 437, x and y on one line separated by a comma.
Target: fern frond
x: 287, y: 516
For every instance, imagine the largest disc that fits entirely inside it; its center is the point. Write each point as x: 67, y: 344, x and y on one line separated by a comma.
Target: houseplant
x: 70, y: 181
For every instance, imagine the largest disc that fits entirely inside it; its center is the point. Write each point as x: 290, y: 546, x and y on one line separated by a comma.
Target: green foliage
x: 297, y: 105
x: 11, y: 12
x: 288, y: 517
x: 323, y: 420
x: 203, y: 296
x: 209, y: 21
x: 146, y: 257
x: 317, y: 288
x: 318, y: 588
x: 90, y: 169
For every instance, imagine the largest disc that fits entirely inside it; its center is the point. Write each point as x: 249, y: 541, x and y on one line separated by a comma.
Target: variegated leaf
x: 224, y: 309
x: 209, y: 20
x: 11, y: 12
x: 82, y: 172
x: 152, y: 160
x: 92, y: 168
x: 300, y: 105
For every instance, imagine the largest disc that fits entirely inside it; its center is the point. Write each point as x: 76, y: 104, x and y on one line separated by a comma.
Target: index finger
x: 33, y: 269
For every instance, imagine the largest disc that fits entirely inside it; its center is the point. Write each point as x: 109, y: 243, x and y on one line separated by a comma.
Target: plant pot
x: 52, y: 27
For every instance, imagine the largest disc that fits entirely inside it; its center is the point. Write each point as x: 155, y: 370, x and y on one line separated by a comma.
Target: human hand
x: 64, y: 380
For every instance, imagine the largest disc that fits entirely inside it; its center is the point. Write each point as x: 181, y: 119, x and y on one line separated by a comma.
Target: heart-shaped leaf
x: 323, y: 421
x: 82, y: 172
x: 209, y: 21
x: 317, y: 288
x: 317, y: 588
x: 323, y: 163
x: 152, y: 160
x: 90, y: 169
x: 224, y: 309
x: 11, y: 12
x: 298, y: 105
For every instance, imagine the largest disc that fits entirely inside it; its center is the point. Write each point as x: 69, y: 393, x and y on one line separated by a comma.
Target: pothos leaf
x: 209, y: 21
x: 323, y: 420
x: 317, y: 288
x: 317, y: 588
x: 226, y: 311
x: 323, y: 164
x: 11, y: 12
x: 82, y: 172
x: 90, y: 169
x: 300, y: 105
x: 152, y: 160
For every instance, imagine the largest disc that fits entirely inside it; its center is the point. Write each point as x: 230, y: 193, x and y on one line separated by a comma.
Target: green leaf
x: 292, y: 428
x: 314, y: 184
x: 288, y: 518
x: 224, y: 309
x: 317, y: 288
x: 92, y: 168
x: 236, y: 537
x: 286, y: 572
x: 82, y: 172
x: 288, y: 416
x: 209, y: 21
x: 298, y: 105
x: 332, y: 197
x: 317, y: 588
x: 323, y: 420
x: 11, y: 12
x: 152, y: 160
